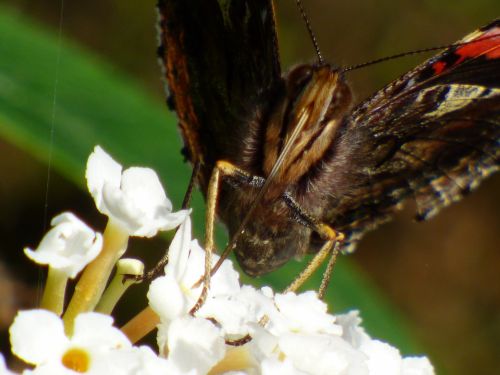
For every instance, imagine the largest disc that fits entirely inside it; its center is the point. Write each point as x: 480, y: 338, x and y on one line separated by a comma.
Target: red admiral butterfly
x: 287, y: 163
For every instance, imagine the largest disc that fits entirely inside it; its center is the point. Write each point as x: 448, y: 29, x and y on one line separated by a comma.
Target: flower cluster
x: 238, y: 330
x: 290, y: 333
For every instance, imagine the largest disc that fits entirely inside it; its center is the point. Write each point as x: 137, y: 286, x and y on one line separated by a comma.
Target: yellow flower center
x: 76, y: 359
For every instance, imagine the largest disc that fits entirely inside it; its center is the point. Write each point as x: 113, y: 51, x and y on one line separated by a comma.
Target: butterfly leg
x: 329, y: 249
x: 328, y: 271
x: 222, y: 169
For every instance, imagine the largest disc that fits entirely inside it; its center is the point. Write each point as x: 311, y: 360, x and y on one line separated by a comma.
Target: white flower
x: 282, y: 367
x: 133, y: 199
x: 352, y: 331
x: 298, y: 337
x: 381, y: 357
x: 238, y: 312
x: 166, y: 294
x: 69, y: 246
x: 303, y: 313
x: 96, y: 347
x: 148, y: 363
x: 194, y: 344
x: 322, y: 354
x: 384, y: 359
x: 417, y: 366
x: 172, y: 295
x: 37, y: 337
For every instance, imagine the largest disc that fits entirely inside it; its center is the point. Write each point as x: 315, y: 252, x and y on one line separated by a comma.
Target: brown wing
x: 218, y: 56
x: 433, y: 135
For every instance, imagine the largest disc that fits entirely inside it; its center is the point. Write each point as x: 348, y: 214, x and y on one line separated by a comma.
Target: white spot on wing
x: 459, y: 96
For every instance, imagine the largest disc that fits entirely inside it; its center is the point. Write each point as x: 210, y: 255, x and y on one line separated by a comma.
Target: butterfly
x: 296, y: 164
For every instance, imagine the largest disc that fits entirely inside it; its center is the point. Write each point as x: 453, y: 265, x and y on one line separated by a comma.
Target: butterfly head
x: 304, y: 121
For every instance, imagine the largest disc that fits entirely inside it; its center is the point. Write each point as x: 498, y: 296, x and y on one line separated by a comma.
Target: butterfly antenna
x: 415, y: 52
x: 310, y: 31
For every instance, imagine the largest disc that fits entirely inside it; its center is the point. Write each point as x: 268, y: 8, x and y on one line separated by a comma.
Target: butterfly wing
x: 218, y: 57
x: 432, y: 135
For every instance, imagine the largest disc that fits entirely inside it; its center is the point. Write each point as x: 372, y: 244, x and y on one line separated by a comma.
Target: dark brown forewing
x: 218, y: 56
x: 432, y: 135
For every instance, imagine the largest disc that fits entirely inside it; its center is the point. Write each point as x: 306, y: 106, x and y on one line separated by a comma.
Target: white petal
x: 116, y: 362
x: 260, y: 300
x: 143, y: 185
x: 274, y: 366
x: 383, y: 359
x: 322, y: 354
x: 230, y: 313
x: 173, y: 219
x: 352, y: 331
x: 194, y: 343
x: 101, y: 169
x: 224, y: 282
x: 142, y: 205
x: 120, y: 209
x: 263, y: 344
x: 189, y: 271
x: 37, y: 336
x: 52, y: 368
x: 306, y: 313
x: 237, y: 311
x: 178, y: 251
x: 69, y: 246
x: 134, y: 199
x: 167, y: 299
x: 151, y: 364
x: 417, y: 366
x: 96, y: 330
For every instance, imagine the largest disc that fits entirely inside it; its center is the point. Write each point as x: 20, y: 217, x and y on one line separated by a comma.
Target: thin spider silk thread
x: 51, y: 141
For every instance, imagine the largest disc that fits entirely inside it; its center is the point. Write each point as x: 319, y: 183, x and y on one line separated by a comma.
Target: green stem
x: 118, y: 286
x: 55, y: 290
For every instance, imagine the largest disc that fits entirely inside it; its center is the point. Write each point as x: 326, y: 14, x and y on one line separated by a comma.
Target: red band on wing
x: 439, y: 66
x: 488, y: 44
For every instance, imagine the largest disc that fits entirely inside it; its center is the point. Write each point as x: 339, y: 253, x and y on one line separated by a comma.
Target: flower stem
x: 236, y: 359
x: 118, y: 286
x: 55, y: 289
x: 141, y: 324
x: 91, y: 285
